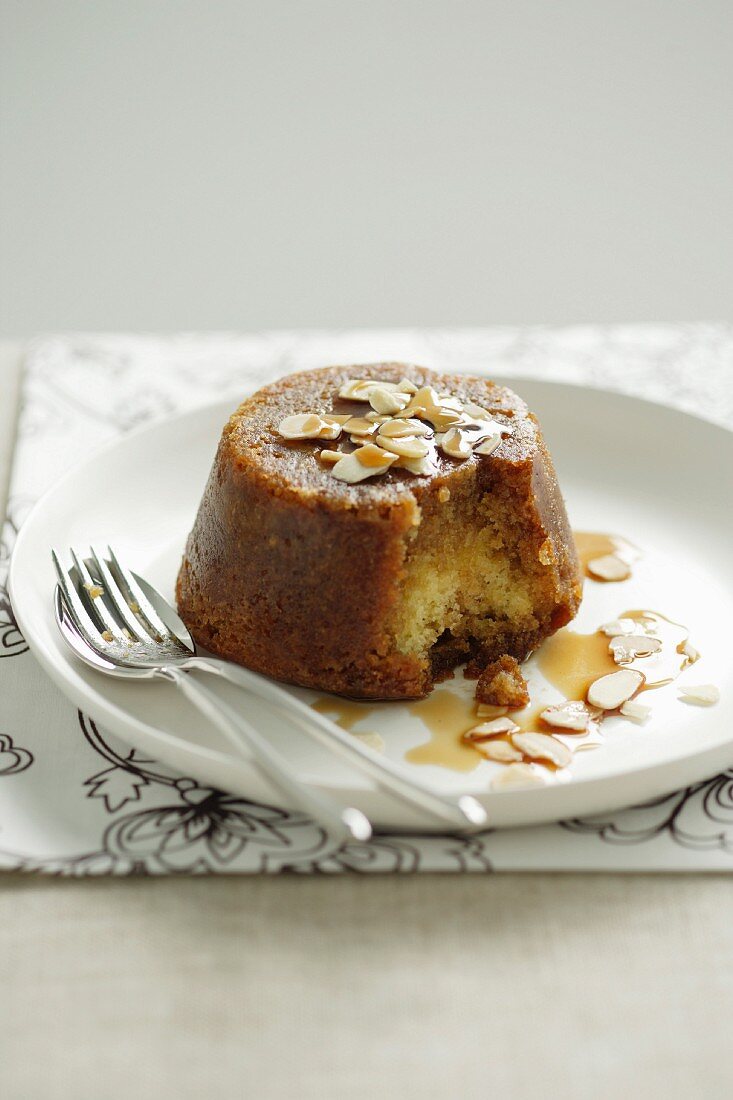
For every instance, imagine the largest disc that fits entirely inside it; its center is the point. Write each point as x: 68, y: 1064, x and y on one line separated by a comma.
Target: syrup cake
x: 366, y: 529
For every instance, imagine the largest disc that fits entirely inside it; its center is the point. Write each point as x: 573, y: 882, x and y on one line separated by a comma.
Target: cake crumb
x: 502, y: 685
x: 443, y: 494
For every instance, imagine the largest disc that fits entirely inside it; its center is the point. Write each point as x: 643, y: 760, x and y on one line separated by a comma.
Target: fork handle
x: 462, y: 812
x: 342, y: 824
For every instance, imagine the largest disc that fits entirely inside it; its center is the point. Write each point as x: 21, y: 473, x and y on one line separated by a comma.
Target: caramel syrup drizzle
x: 595, y: 544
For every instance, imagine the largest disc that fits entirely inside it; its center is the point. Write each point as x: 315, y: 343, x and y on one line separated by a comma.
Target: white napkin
x: 75, y: 800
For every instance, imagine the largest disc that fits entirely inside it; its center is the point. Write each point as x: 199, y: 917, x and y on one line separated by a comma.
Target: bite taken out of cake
x: 366, y: 529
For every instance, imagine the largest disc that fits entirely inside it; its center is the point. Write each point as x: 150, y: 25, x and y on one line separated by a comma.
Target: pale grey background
x: 238, y: 164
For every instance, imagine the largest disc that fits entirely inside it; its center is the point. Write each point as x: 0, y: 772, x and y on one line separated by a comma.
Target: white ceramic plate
x: 659, y: 477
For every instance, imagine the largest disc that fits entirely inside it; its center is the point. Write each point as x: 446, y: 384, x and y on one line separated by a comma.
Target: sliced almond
x: 476, y: 411
x: 422, y: 467
x: 374, y: 458
x: 302, y: 426
x: 336, y: 418
x: 330, y: 457
x: 358, y: 389
x: 688, y: 650
x: 422, y: 403
x: 609, y: 692
x: 518, y: 775
x: 484, y: 428
x: 635, y: 710
x: 442, y: 417
x: 406, y: 386
x: 702, y: 695
x: 571, y: 715
x: 542, y: 746
x: 609, y: 567
x: 409, y: 446
x: 355, y: 389
x: 488, y: 446
x: 494, y: 728
x: 383, y: 400
x: 618, y: 628
x: 630, y: 646
x: 359, y: 425
x: 450, y: 401
x: 500, y: 751
x: 330, y: 430
x: 352, y: 470
x: 400, y: 426
x: 426, y: 396
x: 456, y: 445
x: 488, y: 710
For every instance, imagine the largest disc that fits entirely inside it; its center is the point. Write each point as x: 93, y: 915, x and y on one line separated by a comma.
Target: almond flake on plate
x: 542, y: 746
x: 609, y: 567
x: 494, y: 728
x: 499, y: 751
x: 572, y: 715
x: 617, y: 628
x: 628, y: 647
x: 609, y: 692
x: 702, y: 695
x: 688, y: 650
x: 638, y: 712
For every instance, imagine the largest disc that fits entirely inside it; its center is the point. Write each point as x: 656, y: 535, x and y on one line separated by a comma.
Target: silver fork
x: 112, y: 619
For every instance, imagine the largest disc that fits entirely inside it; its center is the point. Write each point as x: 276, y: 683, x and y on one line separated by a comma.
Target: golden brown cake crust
x: 296, y: 574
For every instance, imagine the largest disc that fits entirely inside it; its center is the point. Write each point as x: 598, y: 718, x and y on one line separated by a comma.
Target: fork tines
x: 106, y: 602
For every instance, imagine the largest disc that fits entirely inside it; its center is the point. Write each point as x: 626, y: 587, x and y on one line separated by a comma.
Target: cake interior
x: 473, y: 584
